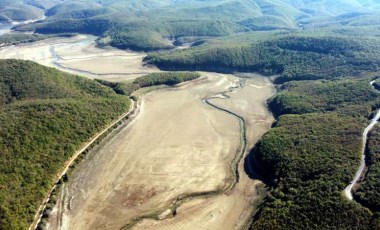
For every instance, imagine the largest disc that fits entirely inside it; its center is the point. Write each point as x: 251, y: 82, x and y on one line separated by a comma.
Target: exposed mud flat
x: 177, y: 145
x: 79, y: 55
x: 232, y: 210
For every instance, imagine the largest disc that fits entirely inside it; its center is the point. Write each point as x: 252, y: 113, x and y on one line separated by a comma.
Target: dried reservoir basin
x: 176, y: 145
x: 234, y: 209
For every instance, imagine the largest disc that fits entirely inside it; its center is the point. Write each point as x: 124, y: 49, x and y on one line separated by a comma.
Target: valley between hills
x: 174, y: 114
x: 158, y: 152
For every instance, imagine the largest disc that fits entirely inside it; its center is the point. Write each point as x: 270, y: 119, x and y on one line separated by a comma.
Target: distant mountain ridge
x: 156, y: 24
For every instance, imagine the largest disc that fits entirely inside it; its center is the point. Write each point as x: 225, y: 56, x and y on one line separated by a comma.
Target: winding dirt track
x: 374, y: 121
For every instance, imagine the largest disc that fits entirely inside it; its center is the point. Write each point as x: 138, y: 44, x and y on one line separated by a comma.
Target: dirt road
x: 66, y: 167
x: 374, y: 121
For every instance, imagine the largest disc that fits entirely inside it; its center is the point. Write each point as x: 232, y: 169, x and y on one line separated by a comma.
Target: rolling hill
x: 153, y: 25
x: 323, y: 55
x: 18, y: 11
x: 46, y: 115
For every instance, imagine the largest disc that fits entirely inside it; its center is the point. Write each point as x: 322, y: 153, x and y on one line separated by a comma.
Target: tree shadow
x: 250, y: 166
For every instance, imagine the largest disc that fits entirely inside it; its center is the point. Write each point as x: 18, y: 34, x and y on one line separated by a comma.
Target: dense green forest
x: 349, y: 97
x: 137, y: 35
x: 308, y: 172
x: 96, y: 26
x: 295, y: 57
x: 320, y: 51
x: 169, y: 78
x: 45, y: 116
x: 368, y: 193
x: 149, y: 36
x: 312, y: 153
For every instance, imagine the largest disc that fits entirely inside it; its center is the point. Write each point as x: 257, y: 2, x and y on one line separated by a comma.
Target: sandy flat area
x: 38, y: 51
x: 79, y: 55
x: 177, y: 145
x: 232, y: 210
x: 106, y: 62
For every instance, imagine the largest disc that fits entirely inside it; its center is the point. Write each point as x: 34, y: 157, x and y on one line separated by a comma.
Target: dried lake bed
x: 177, y: 145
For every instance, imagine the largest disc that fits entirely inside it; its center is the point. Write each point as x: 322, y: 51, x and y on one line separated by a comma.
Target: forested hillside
x: 323, y: 54
x: 16, y: 10
x: 153, y: 25
x: 353, y: 97
x: 308, y: 172
x: 312, y: 154
x: 45, y: 116
x: 295, y: 57
x: 368, y: 193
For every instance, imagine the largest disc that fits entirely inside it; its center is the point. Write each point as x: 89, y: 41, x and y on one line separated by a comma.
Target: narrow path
x: 348, y: 190
x: 39, y: 213
x: 233, y: 165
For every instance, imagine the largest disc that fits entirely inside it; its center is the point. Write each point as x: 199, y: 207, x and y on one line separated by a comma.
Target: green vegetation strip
x: 16, y: 39
x: 153, y: 79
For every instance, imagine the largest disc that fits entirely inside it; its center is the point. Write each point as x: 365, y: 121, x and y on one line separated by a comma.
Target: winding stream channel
x: 172, y: 209
x: 374, y: 121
